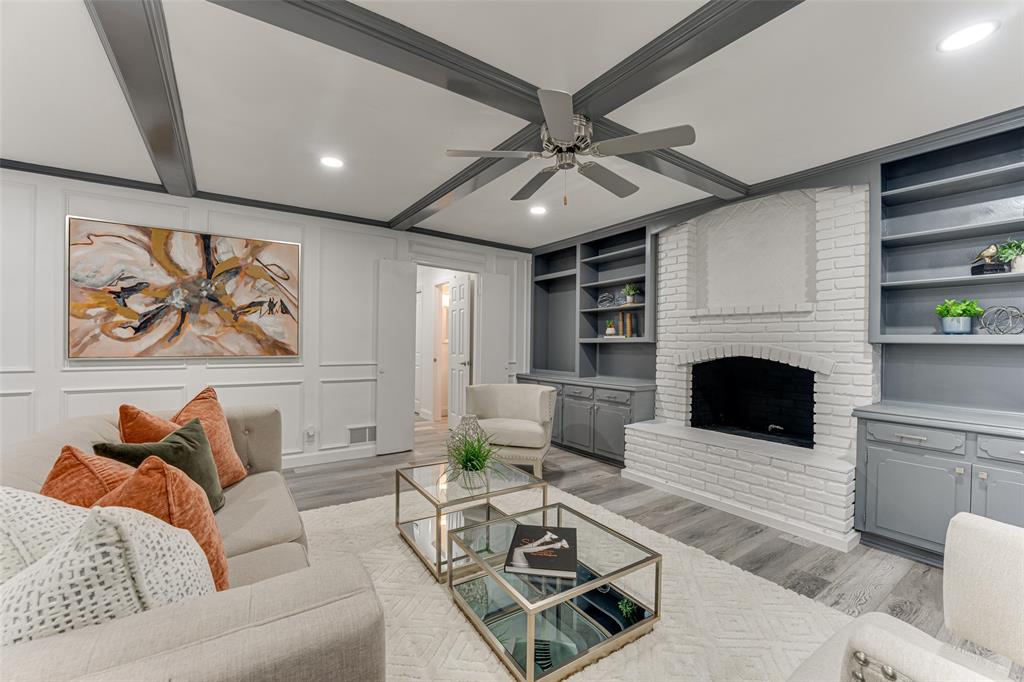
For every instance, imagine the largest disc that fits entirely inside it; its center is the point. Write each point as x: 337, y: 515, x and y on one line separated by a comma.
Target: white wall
x: 329, y: 388
x: 426, y: 279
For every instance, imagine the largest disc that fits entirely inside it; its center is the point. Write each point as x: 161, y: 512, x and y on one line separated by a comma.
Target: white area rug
x: 719, y: 622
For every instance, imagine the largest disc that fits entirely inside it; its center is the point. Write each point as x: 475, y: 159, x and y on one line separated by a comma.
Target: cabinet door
x: 610, y: 430
x: 911, y: 497
x: 998, y: 494
x: 578, y: 423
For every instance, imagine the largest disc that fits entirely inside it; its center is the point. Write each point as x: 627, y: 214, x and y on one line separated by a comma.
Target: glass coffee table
x: 546, y: 628
x: 429, y: 503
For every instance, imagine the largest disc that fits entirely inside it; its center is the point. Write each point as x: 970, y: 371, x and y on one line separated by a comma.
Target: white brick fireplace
x: 782, y: 278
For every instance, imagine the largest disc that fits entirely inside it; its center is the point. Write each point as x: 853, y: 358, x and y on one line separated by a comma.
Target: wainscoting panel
x: 17, y: 417
x: 17, y: 276
x: 82, y: 402
x: 149, y: 212
x: 287, y: 395
x: 345, y: 403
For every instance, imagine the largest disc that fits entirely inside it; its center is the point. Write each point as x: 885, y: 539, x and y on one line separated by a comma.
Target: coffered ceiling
x: 264, y: 94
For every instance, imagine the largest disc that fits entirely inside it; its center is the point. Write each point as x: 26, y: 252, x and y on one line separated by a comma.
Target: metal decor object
x: 566, y: 135
x: 1003, y: 319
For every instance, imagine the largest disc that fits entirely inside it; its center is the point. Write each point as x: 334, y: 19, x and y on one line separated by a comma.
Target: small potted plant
x: 469, y: 453
x: 1012, y: 252
x: 609, y: 328
x: 632, y: 293
x: 957, y: 315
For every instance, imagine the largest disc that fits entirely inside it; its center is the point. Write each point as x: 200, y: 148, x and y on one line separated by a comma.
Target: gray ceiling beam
x: 468, y: 180
x: 358, y: 31
x: 707, y: 30
x: 671, y: 163
x: 134, y: 36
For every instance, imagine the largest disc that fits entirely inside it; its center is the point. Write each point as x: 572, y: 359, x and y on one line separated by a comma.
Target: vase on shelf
x: 956, y: 325
x: 1017, y: 264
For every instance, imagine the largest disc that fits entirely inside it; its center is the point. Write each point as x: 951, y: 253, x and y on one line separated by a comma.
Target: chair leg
x: 538, y: 469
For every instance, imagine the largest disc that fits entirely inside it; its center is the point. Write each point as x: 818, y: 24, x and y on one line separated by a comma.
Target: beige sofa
x: 518, y: 418
x: 281, y: 619
x: 983, y: 601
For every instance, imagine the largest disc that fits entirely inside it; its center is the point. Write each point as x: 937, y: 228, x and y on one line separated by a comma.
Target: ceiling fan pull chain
x: 565, y: 193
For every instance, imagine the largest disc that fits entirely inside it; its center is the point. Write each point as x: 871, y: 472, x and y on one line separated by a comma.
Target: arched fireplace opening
x: 755, y: 398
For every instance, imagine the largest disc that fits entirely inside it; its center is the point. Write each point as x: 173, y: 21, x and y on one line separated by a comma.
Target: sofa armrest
x: 983, y: 583
x: 322, y: 622
x: 870, y: 648
x: 256, y: 432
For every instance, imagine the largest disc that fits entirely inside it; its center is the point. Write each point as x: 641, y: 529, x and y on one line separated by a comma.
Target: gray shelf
x: 631, y: 339
x: 966, y: 280
x: 955, y: 339
x: 989, y: 177
x: 942, y: 234
x: 618, y: 254
x: 612, y: 282
x: 555, y: 275
x: 615, y: 309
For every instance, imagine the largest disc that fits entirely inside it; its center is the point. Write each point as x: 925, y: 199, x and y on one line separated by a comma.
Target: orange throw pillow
x: 139, y: 426
x: 80, y: 478
x: 165, y: 492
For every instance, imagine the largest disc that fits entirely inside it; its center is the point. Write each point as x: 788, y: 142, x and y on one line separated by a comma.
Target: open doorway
x: 444, y: 342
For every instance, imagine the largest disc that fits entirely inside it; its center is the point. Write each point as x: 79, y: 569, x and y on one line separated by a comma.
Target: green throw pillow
x: 188, y: 449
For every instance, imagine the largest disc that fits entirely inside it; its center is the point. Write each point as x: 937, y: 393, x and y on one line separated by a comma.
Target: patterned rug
x: 719, y: 622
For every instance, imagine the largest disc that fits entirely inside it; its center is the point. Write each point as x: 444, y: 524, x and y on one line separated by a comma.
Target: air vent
x: 362, y: 434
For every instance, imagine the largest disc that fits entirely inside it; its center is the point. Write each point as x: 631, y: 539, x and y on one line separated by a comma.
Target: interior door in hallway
x: 418, y: 369
x: 493, y: 333
x: 460, y: 329
x: 396, y: 347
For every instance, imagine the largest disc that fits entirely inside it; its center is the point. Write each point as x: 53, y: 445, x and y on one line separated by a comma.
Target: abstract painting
x: 151, y: 292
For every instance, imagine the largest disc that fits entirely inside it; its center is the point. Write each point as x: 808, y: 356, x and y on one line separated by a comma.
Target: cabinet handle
x: 959, y: 471
x: 910, y: 436
x: 983, y: 475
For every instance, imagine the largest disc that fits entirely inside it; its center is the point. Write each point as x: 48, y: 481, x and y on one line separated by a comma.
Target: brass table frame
x: 435, y: 564
x: 491, y: 567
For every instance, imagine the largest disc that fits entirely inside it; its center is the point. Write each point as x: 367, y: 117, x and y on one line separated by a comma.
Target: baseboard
x: 305, y: 459
x: 902, y: 549
x: 844, y: 543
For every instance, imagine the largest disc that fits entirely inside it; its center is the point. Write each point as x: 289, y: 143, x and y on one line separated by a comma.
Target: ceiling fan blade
x: 492, y: 153
x: 611, y: 181
x: 535, y: 183
x: 557, y: 107
x: 679, y: 136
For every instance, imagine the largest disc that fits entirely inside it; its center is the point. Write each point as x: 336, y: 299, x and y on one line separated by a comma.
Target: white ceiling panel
x: 262, y: 105
x: 833, y: 78
x: 62, y: 105
x: 557, y: 45
x: 488, y: 213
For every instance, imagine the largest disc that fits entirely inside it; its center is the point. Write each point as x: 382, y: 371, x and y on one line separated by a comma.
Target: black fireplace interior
x: 756, y: 398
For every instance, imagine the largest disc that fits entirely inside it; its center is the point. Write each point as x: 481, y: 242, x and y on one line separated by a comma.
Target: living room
x: 412, y: 341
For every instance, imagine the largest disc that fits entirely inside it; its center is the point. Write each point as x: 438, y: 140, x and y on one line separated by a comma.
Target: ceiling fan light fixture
x: 331, y: 161
x: 538, y: 210
x: 968, y: 36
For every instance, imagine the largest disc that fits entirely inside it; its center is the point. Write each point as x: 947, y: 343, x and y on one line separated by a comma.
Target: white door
x: 396, y: 346
x: 459, y: 345
x: 418, y: 369
x: 493, y: 325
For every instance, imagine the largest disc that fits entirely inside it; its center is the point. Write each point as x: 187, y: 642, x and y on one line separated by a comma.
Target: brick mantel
x: 796, y: 358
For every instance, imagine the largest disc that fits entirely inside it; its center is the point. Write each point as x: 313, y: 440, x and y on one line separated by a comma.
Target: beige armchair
x: 516, y: 417
x: 983, y: 601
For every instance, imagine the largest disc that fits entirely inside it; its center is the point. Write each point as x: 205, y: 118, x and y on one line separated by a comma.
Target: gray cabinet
x: 998, y: 494
x: 914, y: 495
x: 556, y: 423
x: 578, y: 423
x: 610, y: 430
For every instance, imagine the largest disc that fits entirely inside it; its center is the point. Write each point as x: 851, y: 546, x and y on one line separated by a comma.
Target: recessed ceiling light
x: 538, y: 210
x: 966, y: 37
x: 332, y: 161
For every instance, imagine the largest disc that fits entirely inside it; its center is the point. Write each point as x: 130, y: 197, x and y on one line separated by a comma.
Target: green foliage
x: 631, y: 289
x: 1010, y: 250
x: 471, y: 453
x: 627, y: 607
x: 610, y: 324
x: 953, y: 308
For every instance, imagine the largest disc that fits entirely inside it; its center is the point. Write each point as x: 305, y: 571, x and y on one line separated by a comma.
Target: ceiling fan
x: 566, y: 136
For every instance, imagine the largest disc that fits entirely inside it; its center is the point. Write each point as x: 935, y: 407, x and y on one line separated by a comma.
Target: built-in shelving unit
x: 939, y: 210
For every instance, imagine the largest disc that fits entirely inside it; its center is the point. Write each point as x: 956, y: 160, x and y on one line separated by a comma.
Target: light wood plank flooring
x: 857, y: 582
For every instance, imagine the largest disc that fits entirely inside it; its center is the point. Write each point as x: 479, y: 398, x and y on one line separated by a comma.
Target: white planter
x: 956, y: 325
x: 1017, y: 264
x: 609, y: 331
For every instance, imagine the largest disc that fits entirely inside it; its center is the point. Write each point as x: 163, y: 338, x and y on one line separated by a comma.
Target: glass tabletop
x: 600, y: 550
x: 445, y: 488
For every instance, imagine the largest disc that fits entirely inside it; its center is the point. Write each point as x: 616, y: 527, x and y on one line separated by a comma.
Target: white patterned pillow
x: 30, y: 526
x: 119, y: 562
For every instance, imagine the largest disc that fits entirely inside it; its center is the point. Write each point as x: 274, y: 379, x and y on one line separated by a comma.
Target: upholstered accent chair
x: 983, y: 601
x: 517, y: 418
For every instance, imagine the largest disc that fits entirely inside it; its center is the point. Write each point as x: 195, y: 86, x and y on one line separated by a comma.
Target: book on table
x: 542, y: 550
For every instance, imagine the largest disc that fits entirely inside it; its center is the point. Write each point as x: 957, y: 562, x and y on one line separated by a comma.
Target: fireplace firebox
x: 756, y: 398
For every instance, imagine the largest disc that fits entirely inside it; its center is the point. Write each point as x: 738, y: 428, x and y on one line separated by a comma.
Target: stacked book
x: 543, y: 551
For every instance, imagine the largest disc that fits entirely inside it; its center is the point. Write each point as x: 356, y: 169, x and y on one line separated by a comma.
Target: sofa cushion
x: 258, y: 512
x: 81, y: 478
x: 160, y: 489
x: 27, y: 464
x: 117, y: 563
x: 263, y: 564
x: 515, y: 432
x: 188, y: 449
x: 139, y: 426
x: 30, y: 526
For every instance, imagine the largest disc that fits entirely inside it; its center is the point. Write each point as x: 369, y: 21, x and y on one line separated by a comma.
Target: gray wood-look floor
x: 857, y: 582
